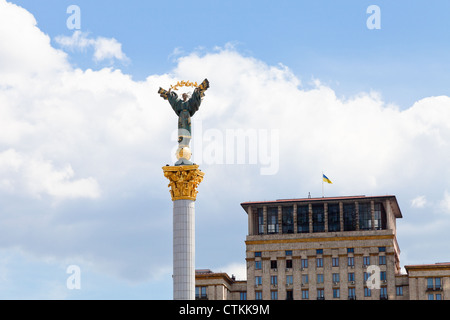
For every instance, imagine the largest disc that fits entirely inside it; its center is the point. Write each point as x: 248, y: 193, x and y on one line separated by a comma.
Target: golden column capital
x: 183, y: 181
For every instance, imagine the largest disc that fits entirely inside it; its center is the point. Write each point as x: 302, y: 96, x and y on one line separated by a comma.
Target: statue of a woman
x: 185, y: 108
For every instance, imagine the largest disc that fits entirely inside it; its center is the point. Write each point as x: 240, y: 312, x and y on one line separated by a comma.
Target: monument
x: 184, y: 177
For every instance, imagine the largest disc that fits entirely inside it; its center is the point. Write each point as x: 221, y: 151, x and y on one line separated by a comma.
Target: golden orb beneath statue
x: 183, y: 153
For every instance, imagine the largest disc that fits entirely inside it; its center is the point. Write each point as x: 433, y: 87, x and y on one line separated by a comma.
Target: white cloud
x: 39, y: 177
x: 419, y: 202
x: 238, y: 269
x: 104, y: 48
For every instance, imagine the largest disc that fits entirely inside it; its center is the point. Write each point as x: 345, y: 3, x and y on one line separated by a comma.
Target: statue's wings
x: 202, y: 87
x: 163, y: 93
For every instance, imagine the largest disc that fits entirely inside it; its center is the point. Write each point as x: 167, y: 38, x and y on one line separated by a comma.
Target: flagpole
x: 322, y: 186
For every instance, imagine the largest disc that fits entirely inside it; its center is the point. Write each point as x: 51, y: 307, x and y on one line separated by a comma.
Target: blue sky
x: 85, y: 134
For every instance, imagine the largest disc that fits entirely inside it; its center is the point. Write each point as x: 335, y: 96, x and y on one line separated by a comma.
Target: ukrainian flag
x: 326, y: 179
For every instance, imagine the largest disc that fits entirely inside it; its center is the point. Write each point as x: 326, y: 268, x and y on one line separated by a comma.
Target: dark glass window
x: 272, y: 220
x: 379, y: 216
x: 289, y: 295
x: 349, y: 217
x: 302, y: 219
x: 318, y: 218
x: 288, y: 264
x: 260, y: 221
x: 288, y: 219
x: 365, y: 218
x: 333, y: 217
x: 273, y: 264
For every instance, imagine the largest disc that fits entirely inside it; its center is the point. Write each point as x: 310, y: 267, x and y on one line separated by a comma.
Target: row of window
x: 317, y: 217
x: 318, y: 251
x: 319, y: 278
x: 319, y: 262
x: 321, y: 294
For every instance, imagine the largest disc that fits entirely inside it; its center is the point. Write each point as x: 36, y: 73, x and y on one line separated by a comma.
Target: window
x: 320, y: 278
x: 288, y: 264
x: 351, y: 277
x: 379, y: 216
x: 200, y: 293
x: 258, y: 280
x: 365, y: 217
x: 430, y: 283
x: 335, y: 277
x: 349, y: 217
x: 399, y: 290
x: 335, y: 262
x: 319, y: 262
x: 437, y: 283
x: 260, y: 221
x: 287, y: 220
x: 350, y: 250
x: 243, y: 295
x: 381, y: 249
x: 304, y: 279
x: 351, y: 261
x: 333, y: 218
x: 367, y: 292
x: 433, y: 283
x: 382, y: 260
x: 289, y: 280
x: 288, y: 252
x: 258, y: 295
x: 351, y: 294
x: 336, y: 293
x: 305, y: 294
x: 319, y: 251
x: 274, y: 295
x: 318, y: 218
x: 272, y: 220
x: 320, y: 294
x: 289, y: 295
x: 258, y: 265
x: 304, y: 263
x: 273, y: 264
x: 366, y: 276
x: 431, y: 296
x: 273, y: 280
x: 383, y: 293
x: 366, y: 261
x: 258, y: 254
x: 382, y: 275
x: 302, y: 219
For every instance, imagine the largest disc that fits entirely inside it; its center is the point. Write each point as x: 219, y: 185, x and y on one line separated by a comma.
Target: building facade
x: 341, y: 248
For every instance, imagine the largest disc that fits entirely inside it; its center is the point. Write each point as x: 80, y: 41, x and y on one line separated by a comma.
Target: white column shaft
x: 183, y: 250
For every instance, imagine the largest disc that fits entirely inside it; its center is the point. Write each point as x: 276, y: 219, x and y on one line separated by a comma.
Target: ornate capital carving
x: 184, y: 181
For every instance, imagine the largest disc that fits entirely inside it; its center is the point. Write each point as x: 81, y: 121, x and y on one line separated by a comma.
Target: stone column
x: 184, y: 180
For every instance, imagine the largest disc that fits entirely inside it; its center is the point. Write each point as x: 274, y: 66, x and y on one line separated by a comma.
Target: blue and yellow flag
x: 326, y: 179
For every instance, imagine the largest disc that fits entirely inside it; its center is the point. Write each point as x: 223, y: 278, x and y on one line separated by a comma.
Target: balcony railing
x: 434, y: 288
